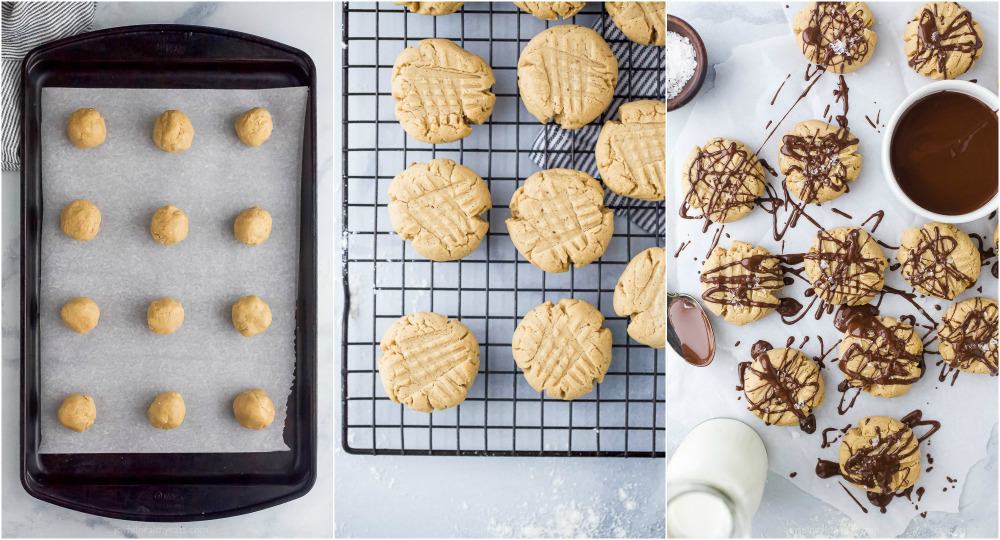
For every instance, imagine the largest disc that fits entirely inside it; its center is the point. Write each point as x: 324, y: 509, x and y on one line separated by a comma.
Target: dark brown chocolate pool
x: 944, y: 153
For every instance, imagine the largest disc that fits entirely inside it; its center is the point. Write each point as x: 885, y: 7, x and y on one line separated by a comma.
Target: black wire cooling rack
x: 491, y: 289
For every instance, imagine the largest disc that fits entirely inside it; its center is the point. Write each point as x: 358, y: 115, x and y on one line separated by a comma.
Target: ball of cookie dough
x: 166, y: 411
x: 169, y: 225
x: 567, y: 73
x: 640, y: 295
x: 253, y: 409
x: 942, y: 40
x: 252, y: 226
x: 173, y: 131
x: 80, y: 314
x: 254, y: 126
x: 86, y: 128
x: 165, y: 315
x: 642, y: 22
x: 251, y: 315
x: 77, y: 412
x: 80, y: 220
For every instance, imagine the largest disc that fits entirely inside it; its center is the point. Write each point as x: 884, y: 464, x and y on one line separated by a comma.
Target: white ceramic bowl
x: 965, y: 87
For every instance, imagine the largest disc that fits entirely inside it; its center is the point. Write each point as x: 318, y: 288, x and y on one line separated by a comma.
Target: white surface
x: 386, y: 496
x: 748, y: 63
x: 307, y: 27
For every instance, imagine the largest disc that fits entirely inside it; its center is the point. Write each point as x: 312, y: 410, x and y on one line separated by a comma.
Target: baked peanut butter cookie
x: 550, y: 11
x: 836, y: 35
x: 741, y: 283
x: 630, y: 151
x: 782, y: 386
x: 568, y: 74
x: 428, y: 361
x: 558, y: 218
x: 431, y: 8
x: 880, y: 455
x: 880, y: 355
x: 819, y: 161
x: 437, y: 207
x: 845, y: 266
x: 942, y: 40
x: 967, y: 335
x: 563, y: 349
x: 641, y: 295
x: 643, y: 22
x: 723, y: 179
x: 938, y: 259
x: 441, y: 90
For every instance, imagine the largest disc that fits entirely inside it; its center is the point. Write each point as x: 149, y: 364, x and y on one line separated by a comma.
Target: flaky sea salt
x: 681, y: 63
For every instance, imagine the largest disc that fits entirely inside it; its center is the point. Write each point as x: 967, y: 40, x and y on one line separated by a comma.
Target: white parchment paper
x: 739, y: 106
x: 121, y: 363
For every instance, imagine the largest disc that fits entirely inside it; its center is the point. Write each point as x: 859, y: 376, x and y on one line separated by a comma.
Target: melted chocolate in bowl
x: 944, y: 153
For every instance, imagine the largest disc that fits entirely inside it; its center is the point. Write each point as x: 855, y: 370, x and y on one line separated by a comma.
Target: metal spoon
x: 689, y: 330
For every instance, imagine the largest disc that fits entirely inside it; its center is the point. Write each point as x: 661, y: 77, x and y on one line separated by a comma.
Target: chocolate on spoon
x: 689, y: 331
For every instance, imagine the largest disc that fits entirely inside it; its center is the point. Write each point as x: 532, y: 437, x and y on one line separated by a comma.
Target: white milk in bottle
x: 715, y: 480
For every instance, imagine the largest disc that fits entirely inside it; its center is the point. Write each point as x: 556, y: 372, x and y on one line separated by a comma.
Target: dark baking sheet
x: 178, y: 486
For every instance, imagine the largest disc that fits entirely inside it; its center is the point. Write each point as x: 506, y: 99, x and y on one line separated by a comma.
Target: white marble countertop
x: 306, y: 26
x: 475, y: 497
x: 786, y: 510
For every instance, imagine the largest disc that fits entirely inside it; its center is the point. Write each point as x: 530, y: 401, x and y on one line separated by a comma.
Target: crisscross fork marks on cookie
x: 558, y: 217
x: 429, y: 361
x: 845, y: 266
x: 563, y: 349
x: 440, y: 89
x: 437, y: 206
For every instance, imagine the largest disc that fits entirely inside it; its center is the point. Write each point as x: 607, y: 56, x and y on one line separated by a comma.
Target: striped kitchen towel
x: 641, y: 75
x: 27, y: 25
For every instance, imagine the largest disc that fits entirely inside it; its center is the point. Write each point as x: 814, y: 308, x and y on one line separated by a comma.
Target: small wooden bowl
x: 680, y: 26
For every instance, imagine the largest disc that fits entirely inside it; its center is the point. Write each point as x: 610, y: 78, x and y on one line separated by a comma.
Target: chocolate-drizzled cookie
x: 740, y: 283
x: 836, y: 35
x: 968, y: 335
x: 782, y: 386
x: 845, y: 266
x: 880, y: 455
x: 723, y: 180
x: 880, y: 355
x: 818, y: 160
x: 938, y: 259
x: 942, y: 40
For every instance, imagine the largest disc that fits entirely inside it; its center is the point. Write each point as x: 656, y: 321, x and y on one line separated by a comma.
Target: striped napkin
x: 648, y: 215
x: 27, y: 25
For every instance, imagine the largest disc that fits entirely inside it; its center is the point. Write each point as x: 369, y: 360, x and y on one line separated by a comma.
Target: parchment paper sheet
x: 738, y: 106
x: 121, y: 363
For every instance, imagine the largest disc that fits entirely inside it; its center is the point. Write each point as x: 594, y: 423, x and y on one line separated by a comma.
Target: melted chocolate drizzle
x: 719, y: 182
x: 843, y: 269
x: 974, y: 339
x: 930, y: 266
x: 781, y: 385
x: 935, y: 43
x: 878, y: 357
x: 817, y: 160
x: 836, y: 35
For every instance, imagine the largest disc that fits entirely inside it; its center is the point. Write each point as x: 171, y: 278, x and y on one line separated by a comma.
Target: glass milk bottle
x: 715, y: 480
